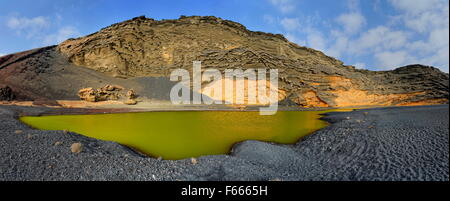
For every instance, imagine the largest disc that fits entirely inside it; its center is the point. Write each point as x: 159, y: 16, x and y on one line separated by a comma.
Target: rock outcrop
x: 130, y: 102
x: 108, y: 92
x: 6, y: 93
x: 139, y: 48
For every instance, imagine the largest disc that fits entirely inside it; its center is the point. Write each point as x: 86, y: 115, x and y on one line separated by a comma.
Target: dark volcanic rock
x: 6, y: 93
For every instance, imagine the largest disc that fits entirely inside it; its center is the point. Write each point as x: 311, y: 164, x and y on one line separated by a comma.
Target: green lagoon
x: 178, y: 135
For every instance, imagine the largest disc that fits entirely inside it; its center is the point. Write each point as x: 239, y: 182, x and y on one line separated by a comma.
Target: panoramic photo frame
x: 224, y: 99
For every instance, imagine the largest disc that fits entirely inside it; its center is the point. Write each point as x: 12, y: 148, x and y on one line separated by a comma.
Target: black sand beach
x: 395, y: 143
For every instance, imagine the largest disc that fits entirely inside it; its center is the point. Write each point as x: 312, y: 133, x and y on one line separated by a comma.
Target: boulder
x: 130, y: 102
x: 6, y: 93
x: 88, y: 94
x: 131, y: 94
x: 108, y: 92
x: 76, y: 147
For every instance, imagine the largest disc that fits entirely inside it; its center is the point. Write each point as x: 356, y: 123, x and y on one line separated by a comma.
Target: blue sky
x: 371, y: 34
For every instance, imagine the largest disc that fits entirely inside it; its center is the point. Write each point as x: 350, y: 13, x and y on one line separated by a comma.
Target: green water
x: 177, y: 135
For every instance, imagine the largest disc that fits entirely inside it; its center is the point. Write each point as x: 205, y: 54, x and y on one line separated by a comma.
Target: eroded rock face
x: 88, y: 94
x: 143, y: 47
x: 6, y: 93
x: 146, y: 47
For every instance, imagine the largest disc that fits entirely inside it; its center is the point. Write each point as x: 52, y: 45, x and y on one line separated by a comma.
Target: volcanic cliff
x: 141, y: 53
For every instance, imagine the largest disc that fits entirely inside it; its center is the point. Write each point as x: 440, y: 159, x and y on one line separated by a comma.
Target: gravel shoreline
x: 395, y: 143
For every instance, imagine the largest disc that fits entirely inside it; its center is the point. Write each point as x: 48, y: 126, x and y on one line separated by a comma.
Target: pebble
x: 76, y: 147
x: 194, y: 161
